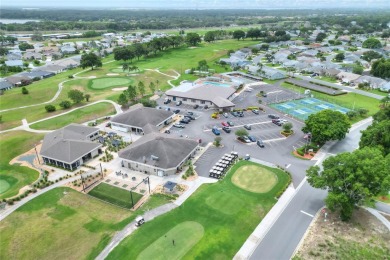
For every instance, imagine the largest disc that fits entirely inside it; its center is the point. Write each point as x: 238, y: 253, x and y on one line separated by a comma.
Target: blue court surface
x: 302, y: 108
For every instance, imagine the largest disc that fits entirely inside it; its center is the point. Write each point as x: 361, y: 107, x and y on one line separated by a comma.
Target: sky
x: 199, y: 4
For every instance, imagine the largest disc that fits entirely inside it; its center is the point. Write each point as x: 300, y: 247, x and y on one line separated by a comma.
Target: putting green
x: 186, y: 235
x: 225, y: 202
x: 254, y: 178
x: 102, y: 83
x: 4, y: 186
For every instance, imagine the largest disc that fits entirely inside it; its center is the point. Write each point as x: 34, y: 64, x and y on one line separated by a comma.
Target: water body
x: 20, y: 21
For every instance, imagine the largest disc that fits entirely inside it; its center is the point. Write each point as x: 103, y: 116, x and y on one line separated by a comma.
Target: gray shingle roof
x: 222, y: 102
x: 69, y: 143
x: 203, y: 92
x: 169, y: 150
x: 141, y: 116
x: 5, y: 84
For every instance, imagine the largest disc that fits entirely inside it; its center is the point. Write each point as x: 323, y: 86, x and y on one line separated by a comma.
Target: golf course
x: 212, y: 224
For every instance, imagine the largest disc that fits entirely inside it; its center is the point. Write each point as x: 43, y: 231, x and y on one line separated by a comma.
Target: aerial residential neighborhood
x: 193, y: 130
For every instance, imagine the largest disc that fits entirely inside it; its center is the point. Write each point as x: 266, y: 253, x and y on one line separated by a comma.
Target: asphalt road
x: 288, y: 230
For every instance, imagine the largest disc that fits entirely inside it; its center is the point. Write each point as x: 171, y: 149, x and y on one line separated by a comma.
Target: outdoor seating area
x: 219, y: 170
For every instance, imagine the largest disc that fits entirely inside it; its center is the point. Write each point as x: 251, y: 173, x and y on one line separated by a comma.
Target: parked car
x: 252, y: 138
x: 307, y: 136
x: 108, y: 125
x: 224, y: 124
x: 240, y: 114
x: 139, y: 221
x: 255, y: 111
x: 260, y: 143
x: 225, y: 115
x: 167, y: 101
x: 190, y: 113
x: 190, y: 117
x: 247, y: 127
x: 235, y: 114
x: 216, y: 131
x: 184, y: 121
x: 247, y: 157
x: 178, y: 103
x: 176, y: 111
x: 226, y: 129
x: 277, y: 122
x: 196, y: 106
x: 230, y: 123
x: 206, y: 107
x: 264, y: 94
x: 273, y: 116
x: 168, y: 109
x: 187, y: 118
x: 244, y: 139
x: 179, y: 125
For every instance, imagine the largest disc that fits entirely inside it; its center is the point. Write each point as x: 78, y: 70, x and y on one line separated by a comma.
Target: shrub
x: 50, y: 108
x: 24, y: 91
x: 252, y: 108
x: 65, y: 104
x: 71, y: 76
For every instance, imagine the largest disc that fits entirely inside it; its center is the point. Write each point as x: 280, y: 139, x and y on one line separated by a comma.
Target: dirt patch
x: 119, y: 89
x: 363, y: 237
x: 307, y: 156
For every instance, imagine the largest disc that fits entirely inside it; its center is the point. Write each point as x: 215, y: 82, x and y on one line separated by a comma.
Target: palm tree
x: 157, y: 82
x: 385, y: 101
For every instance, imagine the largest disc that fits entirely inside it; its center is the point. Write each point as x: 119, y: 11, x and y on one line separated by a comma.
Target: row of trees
x: 267, y: 36
x: 75, y: 95
x: 133, y: 93
x: 352, y: 178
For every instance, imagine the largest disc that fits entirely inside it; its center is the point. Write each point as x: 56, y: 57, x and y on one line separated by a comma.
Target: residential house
x: 5, y: 85
x: 267, y: 72
x: 54, y: 68
x: 158, y: 154
x: 71, y: 146
x: 37, y: 74
x: 14, y: 63
x: 385, y: 87
x: 68, y: 49
x: 32, y: 56
x: 13, y: 56
x: 18, y: 81
x: 373, y: 82
x: 347, y: 77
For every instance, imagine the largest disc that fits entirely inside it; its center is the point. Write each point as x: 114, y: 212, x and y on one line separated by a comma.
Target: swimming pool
x: 217, y: 84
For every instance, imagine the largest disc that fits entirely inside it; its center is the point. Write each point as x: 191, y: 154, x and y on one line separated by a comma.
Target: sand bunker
x: 119, y: 89
x: 112, y: 74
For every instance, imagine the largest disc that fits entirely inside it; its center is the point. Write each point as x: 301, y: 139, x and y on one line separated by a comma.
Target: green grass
x: 14, y: 177
x: 385, y: 199
x: 254, y: 178
x: 115, y: 195
x: 349, y: 100
x: 327, y: 79
x: 175, y: 243
x: 224, y: 230
x: 102, y: 83
x: 78, y: 116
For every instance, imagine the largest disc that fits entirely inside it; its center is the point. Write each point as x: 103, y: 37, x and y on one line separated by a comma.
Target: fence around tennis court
x: 316, y: 87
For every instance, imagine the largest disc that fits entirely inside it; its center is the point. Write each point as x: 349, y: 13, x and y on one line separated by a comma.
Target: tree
x: 239, y: 34
x: 209, y: 36
x: 327, y: 125
x: 65, y: 104
x: 287, y: 127
x: 339, y: 57
x: 152, y: 87
x: 371, y: 55
x: 241, y: 132
x: 217, y: 141
x: 90, y: 60
x: 131, y: 92
x: 24, y: 91
x: 372, y: 43
x: 24, y: 46
x: 193, y: 39
x: 50, y: 108
x: 377, y: 135
x: 320, y: 37
x: 351, y: 179
x: 357, y: 69
x: 264, y: 47
x: 381, y: 68
x: 87, y: 97
x: 141, y: 88
x: 76, y: 96
x: 1, y: 118
x: 122, y: 99
x: 202, y: 65
x: 125, y: 66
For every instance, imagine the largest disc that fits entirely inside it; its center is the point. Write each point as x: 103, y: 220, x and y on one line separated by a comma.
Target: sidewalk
x: 266, y: 223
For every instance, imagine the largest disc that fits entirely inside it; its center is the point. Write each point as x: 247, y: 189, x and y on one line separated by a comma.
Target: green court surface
x: 4, y: 186
x: 225, y: 202
x: 102, y: 83
x: 254, y: 178
x: 175, y: 243
x: 115, y: 195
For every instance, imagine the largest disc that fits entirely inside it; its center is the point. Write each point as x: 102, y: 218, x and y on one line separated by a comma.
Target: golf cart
x: 139, y: 221
x: 247, y: 157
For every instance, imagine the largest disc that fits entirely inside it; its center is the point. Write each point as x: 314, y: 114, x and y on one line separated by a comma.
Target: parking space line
x: 304, y: 212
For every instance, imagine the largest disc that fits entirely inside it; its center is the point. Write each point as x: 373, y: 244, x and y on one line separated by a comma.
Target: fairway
x: 102, y: 83
x: 185, y: 235
x: 114, y: 195
x: 254, y: 178
x: 225, y: 202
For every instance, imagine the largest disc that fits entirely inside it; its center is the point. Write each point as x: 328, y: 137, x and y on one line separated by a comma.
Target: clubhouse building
x: 71, y: 146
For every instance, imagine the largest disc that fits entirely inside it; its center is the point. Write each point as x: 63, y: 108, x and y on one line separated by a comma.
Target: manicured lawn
x: 13, y: 177
x: 327, y: 79
x: 225, y: 227
x: 254, y: 178
x: 64, y: 224
x: 349, y: 100
x: 78, y: 116
x: 175, y: 243
x: 115, y: 195
x: 102, y: 83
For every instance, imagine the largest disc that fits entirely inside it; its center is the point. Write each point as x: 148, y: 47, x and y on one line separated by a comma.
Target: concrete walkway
x: 130, y: 228
x: 379, y: 217
x: 169, y: 81
x: 10, y: 209
x: 266, y: 223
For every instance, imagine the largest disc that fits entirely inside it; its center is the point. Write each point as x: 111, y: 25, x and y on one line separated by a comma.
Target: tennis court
x: 302, y: 108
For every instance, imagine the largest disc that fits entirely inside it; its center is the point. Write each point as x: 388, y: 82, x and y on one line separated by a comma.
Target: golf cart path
x: 149, y: 215
x: 8, y: 211
x: 60, y: 87
x: 26, y: 126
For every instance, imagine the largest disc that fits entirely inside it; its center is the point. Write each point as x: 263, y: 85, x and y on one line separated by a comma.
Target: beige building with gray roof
x: 71, y: 146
